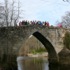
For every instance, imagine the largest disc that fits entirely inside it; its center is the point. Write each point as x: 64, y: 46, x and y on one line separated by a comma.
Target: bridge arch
x: 53, y: 57
x: 52, y: 54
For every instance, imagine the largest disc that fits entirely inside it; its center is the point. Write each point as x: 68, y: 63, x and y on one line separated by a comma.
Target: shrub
x: 66, y: 40
x: 40, y: 50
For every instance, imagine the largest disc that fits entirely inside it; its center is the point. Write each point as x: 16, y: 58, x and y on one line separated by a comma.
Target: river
x: 28, y: 63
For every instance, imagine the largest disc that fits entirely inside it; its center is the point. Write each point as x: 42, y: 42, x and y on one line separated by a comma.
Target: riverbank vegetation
x: 66, y: 40
x: 40, y: 50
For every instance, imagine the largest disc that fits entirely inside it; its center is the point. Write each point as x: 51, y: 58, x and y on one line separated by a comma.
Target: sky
x: 43, y: 10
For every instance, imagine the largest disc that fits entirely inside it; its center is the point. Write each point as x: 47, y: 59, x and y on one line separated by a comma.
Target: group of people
x: 25, y: 22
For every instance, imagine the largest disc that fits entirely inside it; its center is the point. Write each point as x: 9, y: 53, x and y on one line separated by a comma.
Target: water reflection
x: 39, y: 64
x: 33, y: 64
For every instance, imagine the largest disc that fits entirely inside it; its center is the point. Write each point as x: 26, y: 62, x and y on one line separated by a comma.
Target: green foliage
x: 40, y: 50
x: 66, y: 40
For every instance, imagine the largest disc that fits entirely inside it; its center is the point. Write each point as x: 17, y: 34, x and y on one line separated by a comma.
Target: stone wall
x: 12, y: 38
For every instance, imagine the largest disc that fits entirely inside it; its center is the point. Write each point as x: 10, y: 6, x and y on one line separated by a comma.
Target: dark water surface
x: 26, y: 63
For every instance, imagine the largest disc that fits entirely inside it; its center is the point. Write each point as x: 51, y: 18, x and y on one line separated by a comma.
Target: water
x: 26, y: 63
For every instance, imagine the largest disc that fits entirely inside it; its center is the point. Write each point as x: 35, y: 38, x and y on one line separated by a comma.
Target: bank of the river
x: 43, y: 54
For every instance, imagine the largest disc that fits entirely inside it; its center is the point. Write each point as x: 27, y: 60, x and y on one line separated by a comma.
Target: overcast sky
x: 44, y: 10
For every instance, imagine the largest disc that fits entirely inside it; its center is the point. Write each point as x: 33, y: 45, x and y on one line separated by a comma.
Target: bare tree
x: 66, y: 20
x: 1, y: 15
x: 11, y: 13
x: 66, y: 0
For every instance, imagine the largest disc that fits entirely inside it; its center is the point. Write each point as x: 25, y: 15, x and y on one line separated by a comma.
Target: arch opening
x: 52, y: 55
x: 32, y: 47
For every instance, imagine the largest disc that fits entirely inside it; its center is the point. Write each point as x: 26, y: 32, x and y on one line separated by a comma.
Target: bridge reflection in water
x: 26, y: 63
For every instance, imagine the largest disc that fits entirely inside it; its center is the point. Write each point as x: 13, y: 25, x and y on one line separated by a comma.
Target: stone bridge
x: 12, y: 38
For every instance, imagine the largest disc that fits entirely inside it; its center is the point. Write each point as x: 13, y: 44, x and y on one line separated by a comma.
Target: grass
x: 40, y: 50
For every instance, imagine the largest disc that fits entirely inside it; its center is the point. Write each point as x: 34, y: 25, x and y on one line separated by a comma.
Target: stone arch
x: 53, y: 57
x: 31, y: 44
